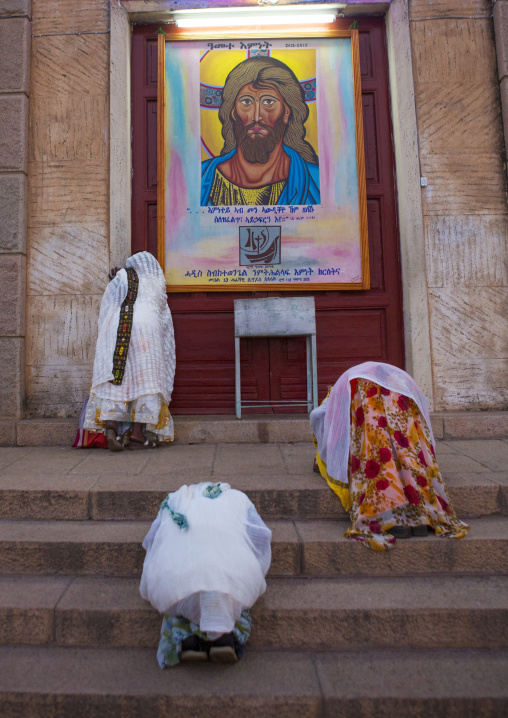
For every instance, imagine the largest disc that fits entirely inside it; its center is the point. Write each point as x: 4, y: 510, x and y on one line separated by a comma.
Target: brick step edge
x: 116, y: 682
x: 432, y: 612
x: 305, y: 548
x: 250, y: 429
x: 472, y: 496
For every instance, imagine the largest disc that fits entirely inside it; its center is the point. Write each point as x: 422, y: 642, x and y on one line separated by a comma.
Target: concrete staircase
x: 342, y: 631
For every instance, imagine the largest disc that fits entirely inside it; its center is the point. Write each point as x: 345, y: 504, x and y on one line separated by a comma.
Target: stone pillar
x: 501, y: 32
x: 465, y: 212
x: 15, y: 39
x: 68, y: 208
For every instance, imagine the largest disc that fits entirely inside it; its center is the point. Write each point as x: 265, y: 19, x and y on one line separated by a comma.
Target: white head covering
x: 147, y: 266
x: 330, y: 421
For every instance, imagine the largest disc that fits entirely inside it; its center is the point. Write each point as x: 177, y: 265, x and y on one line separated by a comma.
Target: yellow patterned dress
x: 394, y: 479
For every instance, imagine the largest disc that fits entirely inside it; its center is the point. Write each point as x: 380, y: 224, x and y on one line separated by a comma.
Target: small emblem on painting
x: 259, y: 245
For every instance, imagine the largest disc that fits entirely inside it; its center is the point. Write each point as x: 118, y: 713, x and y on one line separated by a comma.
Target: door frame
x: 409, y: 210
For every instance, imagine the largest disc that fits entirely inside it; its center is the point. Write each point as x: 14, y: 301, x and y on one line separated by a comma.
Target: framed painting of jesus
x: 261, y: 170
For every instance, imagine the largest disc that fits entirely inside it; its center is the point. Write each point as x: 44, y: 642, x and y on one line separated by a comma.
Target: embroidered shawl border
x: 123, y: 334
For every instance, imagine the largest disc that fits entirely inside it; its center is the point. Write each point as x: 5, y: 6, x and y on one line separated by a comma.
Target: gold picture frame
x: 170, y: 34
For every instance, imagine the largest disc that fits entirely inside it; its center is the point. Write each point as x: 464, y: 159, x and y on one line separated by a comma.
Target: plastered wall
x: 464, y: 205
x: 68, y: 202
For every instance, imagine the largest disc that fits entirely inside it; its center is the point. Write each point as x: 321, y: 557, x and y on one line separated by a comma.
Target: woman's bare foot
x: 137, y: 432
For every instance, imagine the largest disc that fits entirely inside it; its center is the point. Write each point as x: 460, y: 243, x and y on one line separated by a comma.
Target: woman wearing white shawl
x: 141, y: 391
x: 207, y: 555
x: 375, y: 448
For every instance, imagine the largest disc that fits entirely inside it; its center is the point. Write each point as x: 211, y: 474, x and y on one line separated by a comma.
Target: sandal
x: 136, y: 444
x: 400, y: 532
x: 152, y: 437
x: 223, y: 650
x: 114, y: 443
x: 193, y: 649
x: 422, y: 530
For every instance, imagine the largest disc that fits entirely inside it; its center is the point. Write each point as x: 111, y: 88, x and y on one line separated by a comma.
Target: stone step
x: 38, y: 682
x: 199, y: 429
x: 325, y: 552
x: 309, y: 548
x: 70, y: 484
x: 258, y: 428
x: 106, y: 547
x: 292, y: 497
x: 294, y: 613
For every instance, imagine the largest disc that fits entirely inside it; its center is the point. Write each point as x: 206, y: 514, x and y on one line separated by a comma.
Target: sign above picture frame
x: 261, y: 169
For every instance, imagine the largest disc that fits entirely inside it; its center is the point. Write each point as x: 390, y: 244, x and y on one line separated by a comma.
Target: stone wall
x: 67, y: 160
x: 464, y: 204
x: 68, y: 209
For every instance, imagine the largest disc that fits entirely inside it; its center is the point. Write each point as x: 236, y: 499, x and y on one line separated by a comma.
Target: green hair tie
x: 212, y: 491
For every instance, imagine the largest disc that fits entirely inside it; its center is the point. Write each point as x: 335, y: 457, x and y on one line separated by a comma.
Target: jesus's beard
x: 258, y: 149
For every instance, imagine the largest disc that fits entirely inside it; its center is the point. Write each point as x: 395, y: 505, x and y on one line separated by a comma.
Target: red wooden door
x: 351, y: 326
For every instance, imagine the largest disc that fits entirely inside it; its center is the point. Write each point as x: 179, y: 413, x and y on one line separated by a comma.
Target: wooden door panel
x: 351, y: 336
x: 376, y: 264
x: 152, y: 64
x: 207, y: 340
x: 151, y: 227
x: 370, y: 135
x: 288, y: 372
x: 351, y: 326
x: 366, y: 65
x: 151, y: 128
x: 344, y: 338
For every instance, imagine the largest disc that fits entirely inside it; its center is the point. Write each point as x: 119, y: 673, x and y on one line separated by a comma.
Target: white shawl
x: 150, y: 365
x: 330, y: 421
x: 215, y: 568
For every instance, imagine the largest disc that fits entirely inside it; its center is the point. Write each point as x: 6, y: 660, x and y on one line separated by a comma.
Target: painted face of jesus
x: 259, y: 121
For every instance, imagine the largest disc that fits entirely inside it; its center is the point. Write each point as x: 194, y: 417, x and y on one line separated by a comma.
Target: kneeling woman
x: 375, y: 448
x: 207, y: 555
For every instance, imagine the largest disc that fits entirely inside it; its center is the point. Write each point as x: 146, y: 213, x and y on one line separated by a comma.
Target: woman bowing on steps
x: 375, y: 449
